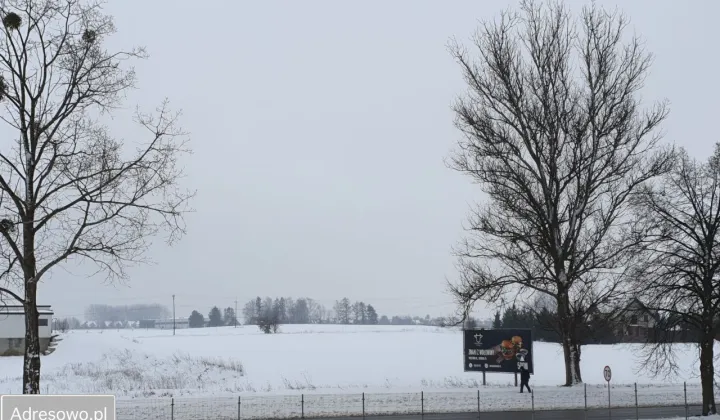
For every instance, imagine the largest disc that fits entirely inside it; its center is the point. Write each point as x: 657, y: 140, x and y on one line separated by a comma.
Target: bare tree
x: 680, y: 274
x: 556, y: 137
x: 73, y: 190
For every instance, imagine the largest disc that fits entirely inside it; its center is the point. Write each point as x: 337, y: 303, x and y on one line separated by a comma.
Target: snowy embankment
x: 324, y: 370
x: 715, y: 417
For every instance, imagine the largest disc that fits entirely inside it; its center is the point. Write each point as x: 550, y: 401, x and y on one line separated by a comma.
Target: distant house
x: 167, y: 324
x: 12, y: 329
x: 636, y: 322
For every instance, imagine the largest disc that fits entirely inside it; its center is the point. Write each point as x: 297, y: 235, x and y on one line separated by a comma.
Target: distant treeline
x: 601, y: 328
x: 267, y: 312
x: 309, y: 311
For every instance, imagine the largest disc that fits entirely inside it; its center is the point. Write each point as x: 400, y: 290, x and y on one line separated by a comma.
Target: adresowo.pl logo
x: 57, y: 407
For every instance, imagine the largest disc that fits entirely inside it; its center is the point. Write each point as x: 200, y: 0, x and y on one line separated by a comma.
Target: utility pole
x: 173, y: 314
x: 235, y: 313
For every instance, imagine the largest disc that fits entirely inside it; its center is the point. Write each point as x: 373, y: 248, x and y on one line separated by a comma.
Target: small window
x: 646, y: 318
x: 43, y: 322
x: 633, y: 319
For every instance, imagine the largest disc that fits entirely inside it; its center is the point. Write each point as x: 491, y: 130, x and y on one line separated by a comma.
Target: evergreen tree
x: 372, y: 316
x: 215, y: 318
x: 196, y: 320
x: 276, y: 313
x: 258, y: 307
x: 497, y: 322
x: 282, y: 311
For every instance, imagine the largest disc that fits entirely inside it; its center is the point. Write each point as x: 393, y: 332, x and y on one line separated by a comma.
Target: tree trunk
x: 31, y: 364
x: 571, y: 351
x: 707, y: 373
x: 570, y: 344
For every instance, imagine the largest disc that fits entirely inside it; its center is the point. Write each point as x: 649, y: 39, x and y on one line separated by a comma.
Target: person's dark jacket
x: 524, y: 374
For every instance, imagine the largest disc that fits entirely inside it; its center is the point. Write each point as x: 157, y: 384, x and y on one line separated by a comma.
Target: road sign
x: 607, y: 373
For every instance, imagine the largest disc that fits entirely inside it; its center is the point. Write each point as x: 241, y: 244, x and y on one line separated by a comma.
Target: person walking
x: 524, y: 376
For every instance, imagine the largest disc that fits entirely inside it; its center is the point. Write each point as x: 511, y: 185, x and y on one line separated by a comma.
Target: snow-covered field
x: 322, y: 370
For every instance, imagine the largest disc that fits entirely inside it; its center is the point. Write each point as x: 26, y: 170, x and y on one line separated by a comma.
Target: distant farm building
x: 167, y: 324
x: 12, y: 329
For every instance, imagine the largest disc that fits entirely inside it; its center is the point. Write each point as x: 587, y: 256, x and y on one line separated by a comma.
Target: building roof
x: 20, y: 310
x: 640, y: 307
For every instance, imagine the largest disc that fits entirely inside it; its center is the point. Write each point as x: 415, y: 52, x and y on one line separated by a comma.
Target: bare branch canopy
x: 74, y: 191
x: 555, y: 135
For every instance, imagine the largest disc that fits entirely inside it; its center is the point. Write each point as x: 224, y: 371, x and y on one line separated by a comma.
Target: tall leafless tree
x: 680, y: 274
x: 71, y: 189
x: 557, y: 138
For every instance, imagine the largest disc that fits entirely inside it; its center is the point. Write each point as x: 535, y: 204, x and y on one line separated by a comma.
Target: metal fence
x: 586, y: 398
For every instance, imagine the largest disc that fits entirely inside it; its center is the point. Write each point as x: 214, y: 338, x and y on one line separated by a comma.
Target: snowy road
x: 594, y: 414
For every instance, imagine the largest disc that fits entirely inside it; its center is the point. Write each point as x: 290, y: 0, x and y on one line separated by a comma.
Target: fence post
x: 478, y: 401
x: 585, y: 388
x: 686, y: 403
x: 363, y: 400
x: 532, y: 401
x: 239, y: 415
x: 637, y: 409
x: 302, y: 406
x: 172, y: 408
x: 422, y: 404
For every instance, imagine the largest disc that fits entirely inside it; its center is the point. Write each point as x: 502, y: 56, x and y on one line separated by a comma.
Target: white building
x: 12, y: 329
x: 167, y: 324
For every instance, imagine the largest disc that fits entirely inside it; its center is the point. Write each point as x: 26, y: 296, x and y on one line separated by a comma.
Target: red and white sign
x: 607, y: 373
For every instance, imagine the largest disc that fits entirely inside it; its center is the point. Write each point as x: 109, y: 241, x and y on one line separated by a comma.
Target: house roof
x: 20, y: 310
x: 6, y: 312
x: 642, y: 308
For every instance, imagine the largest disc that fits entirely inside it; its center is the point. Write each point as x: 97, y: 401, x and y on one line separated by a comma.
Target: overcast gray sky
x: 319, y: 130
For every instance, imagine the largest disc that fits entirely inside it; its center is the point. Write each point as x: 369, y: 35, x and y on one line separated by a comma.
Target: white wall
x: 13, y: 326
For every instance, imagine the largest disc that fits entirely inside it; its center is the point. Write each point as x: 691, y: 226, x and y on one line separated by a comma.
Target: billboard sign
x: 500, y: 350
